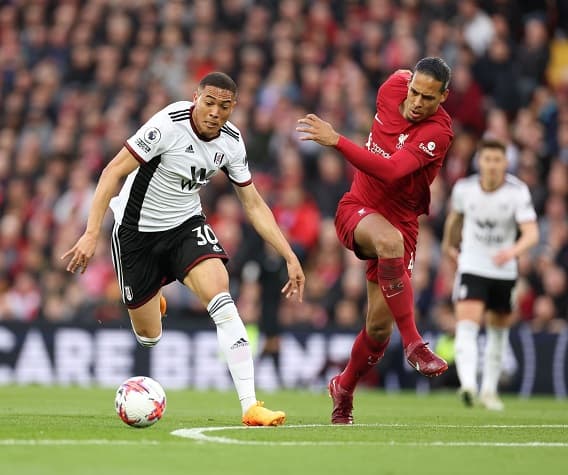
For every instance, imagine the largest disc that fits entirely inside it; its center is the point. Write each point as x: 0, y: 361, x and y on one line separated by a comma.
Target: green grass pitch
x: 56, y: 430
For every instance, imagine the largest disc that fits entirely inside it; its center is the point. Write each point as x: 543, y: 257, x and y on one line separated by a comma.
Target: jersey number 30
x: 205, y: 235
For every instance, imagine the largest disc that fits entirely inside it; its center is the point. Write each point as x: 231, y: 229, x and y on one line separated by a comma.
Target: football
x: 140, y: 401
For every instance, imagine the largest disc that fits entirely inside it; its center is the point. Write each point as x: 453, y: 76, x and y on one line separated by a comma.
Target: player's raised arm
x: 262, y: 219
x: 121, y: 165
x: 402, y: 163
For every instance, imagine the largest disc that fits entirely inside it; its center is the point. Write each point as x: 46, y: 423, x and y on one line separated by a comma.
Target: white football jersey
x: 490, y: 224
x: 175, y: 162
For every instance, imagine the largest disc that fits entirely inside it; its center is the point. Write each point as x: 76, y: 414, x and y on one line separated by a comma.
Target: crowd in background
x: 78, y: 77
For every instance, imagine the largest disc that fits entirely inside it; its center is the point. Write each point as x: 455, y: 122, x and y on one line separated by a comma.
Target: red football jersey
x: 428, y: 141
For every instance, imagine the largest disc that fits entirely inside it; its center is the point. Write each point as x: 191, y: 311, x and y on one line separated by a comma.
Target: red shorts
x: 350, y: 212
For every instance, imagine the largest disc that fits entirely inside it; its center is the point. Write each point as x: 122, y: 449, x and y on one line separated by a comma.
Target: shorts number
x: 205, y: 235
x: 411, y: 262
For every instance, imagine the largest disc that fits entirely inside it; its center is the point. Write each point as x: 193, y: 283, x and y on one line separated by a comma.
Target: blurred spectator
x: 545, y: 316
x: 495, y: 72
x: 298, y: 217
x: 532, y: 57
x: 465, y: 103
x: 476, y: 25
x: 330, y: 182
x: 22, y: 301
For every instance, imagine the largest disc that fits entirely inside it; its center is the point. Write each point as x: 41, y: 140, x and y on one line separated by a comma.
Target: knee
x: 390, y: 244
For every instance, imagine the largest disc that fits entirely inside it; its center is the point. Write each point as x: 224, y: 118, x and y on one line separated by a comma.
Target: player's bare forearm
x: 401, y: 163
x: 266, y: 226
x: 84, y: 249
x: 106, y: 188
x: 262, y: 219
x: 452, y: 234
x: 121, y: 165
x: 528, y: 238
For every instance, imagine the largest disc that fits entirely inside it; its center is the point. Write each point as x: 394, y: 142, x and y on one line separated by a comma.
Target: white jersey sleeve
x: 153, y: 138
x: 525, y: 210
x: 457, y: 199
x: 237, y: 168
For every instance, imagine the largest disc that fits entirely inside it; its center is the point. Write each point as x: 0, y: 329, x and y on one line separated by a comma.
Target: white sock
x: 466, y: 353
x: 497, y: 339
x: 146, y: 341
x: 233, y: 341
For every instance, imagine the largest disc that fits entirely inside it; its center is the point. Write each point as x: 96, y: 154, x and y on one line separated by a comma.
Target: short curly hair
x: 220, y: 80
x: 437, y: 68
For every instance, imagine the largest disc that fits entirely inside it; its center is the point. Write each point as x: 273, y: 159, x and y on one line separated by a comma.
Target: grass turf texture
x: 76, y: 431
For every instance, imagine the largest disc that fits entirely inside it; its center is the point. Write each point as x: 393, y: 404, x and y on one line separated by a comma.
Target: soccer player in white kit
x: 161, y: 235
x: 481, y: 234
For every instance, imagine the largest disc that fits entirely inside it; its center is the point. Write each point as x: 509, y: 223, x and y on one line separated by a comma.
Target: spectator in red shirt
x: 298, y: 217
x: 465, y: 104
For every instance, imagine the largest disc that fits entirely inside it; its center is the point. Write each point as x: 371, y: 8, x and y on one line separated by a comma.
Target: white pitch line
x: 199, y: 434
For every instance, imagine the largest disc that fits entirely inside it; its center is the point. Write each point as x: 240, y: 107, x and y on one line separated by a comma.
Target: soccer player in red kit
x: 378, y: 217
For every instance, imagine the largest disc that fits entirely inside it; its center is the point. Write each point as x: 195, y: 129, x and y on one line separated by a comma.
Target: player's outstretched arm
x: 401, y: 163
x: 120, y: 166
x: 262, y: 219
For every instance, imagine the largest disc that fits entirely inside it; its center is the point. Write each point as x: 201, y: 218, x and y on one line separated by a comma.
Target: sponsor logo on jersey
x: 142, y: 145
x: 379, y: 151
x: 428, y: 148
x: 199, y: 177
x: 401, y: 139
x: 189, y: 149
x: 486, y: 223
x: 152, y: 135
x: 218, y: 158
x: 489, y: 238
x: 487, y: 232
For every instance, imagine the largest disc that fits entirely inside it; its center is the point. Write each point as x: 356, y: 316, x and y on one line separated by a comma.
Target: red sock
x: 397, y: 289
x: 365, y: 354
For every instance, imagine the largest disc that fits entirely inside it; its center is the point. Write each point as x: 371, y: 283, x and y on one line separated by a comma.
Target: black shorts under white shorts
x: 495, y: 293
x: 146, y: 261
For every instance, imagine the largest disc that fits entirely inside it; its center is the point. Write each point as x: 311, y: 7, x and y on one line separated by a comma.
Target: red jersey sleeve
x: 428, y: 142
x: 400, y: 164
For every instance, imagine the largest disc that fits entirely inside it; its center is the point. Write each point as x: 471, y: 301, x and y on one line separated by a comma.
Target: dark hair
x: 220, y: 80
x: 492, y: 143
x: 437, y: 68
